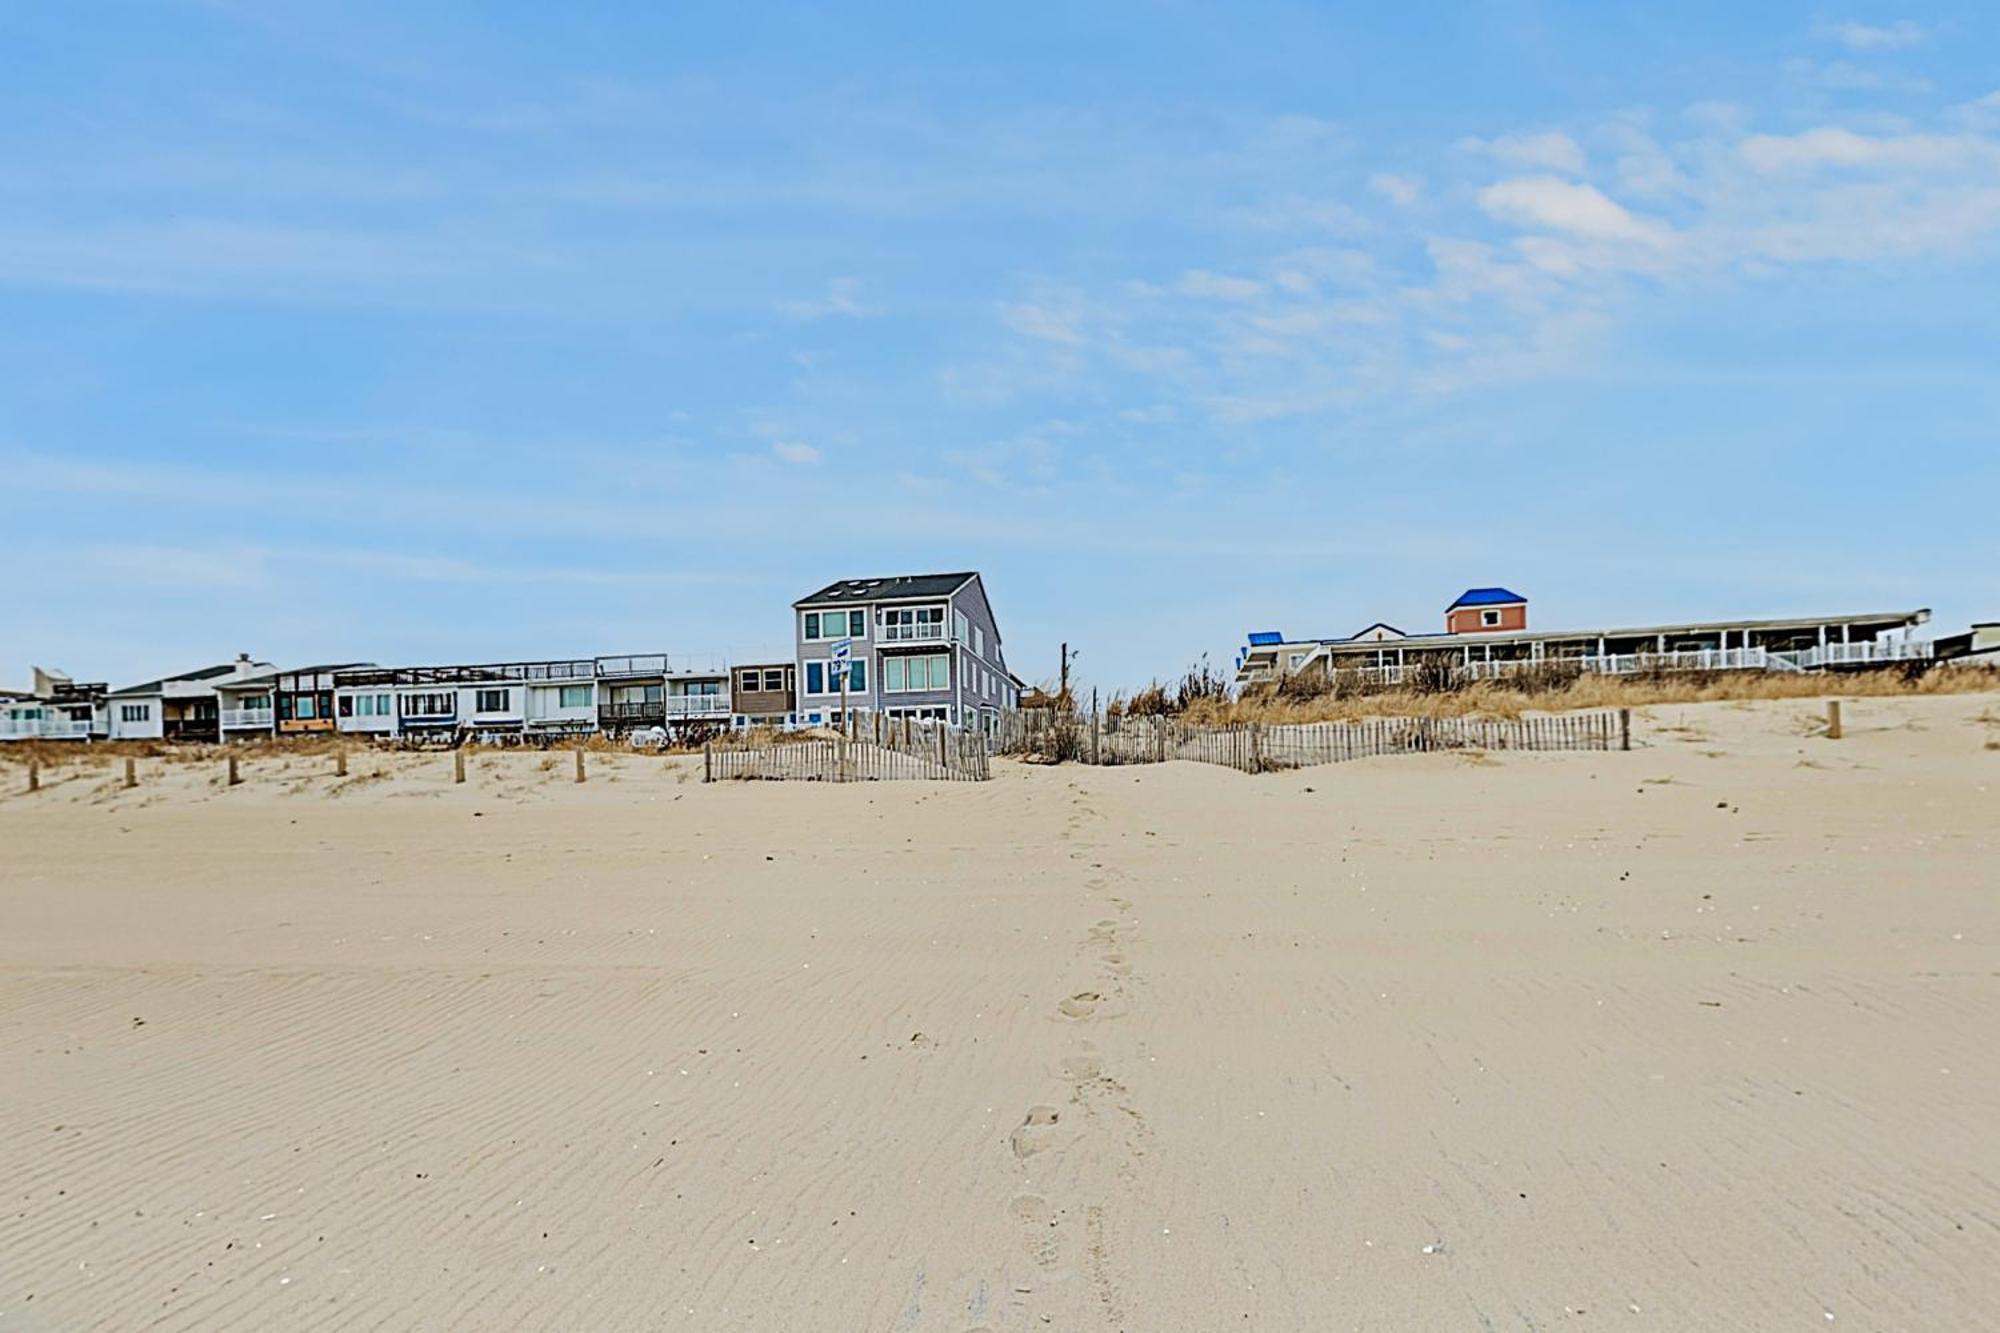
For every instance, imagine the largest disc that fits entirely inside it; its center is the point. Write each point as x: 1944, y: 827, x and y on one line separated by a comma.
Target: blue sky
x: 456, y: 332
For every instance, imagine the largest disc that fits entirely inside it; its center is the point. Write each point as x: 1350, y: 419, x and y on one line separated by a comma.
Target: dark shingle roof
x: 200, y: 673
x: 1485, y: 597
x: 882, y: 589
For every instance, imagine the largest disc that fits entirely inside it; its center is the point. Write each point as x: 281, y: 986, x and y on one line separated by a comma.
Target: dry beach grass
x: 1694, y: 1037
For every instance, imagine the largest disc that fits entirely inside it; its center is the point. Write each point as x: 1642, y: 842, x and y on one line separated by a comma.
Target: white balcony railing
x: 909, y: 633
x: 247, y: 719
x: 43, y: 728
x: 1625, y: 664
x: 697, y: 705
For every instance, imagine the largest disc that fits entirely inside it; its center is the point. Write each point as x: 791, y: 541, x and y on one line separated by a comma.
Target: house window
x: 574, y: 696
x: 428, y: 705
x: 815, y: 678
x: 979, y: 640
x: 812, y: 624
x: 901, y: 624
x: 305, y: 707
x: 1489, y: 619
x: 748, y: 681
x: 857, y: 676
x: 962, y: 626
x: 135, y: 712
x: 904, y: 674
x: 344, y: 705
x: 773, y: 682
x: 493, y: 701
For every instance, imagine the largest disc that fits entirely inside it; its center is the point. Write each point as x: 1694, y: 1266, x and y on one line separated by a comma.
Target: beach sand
x: 1702, y: 1036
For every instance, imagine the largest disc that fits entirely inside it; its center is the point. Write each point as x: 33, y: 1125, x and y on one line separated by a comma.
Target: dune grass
x: 1506, y: 699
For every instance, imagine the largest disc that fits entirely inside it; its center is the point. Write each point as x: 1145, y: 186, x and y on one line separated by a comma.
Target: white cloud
x: 1981, y: 112
x: 795, y: 451
x: 1875, y: 37
x: 1399, y: 190
x: 1550, y: 150
x: 1847, y: 77
x: 1579, y: 210
x: 1829, y: 146
x: 1295, y: 212
x: 843, y: 298
x: 1218, y: 286
x: 1046, y: 319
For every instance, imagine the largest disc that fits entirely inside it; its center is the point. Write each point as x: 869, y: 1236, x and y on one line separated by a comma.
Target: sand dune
x: 1695, y: 1037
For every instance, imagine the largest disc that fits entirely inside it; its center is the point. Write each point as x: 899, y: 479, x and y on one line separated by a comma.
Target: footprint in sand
x: 1083, y: 1066
x: 1035, y: 1134
x: 1038, y: 1228
x: 1116, y: 963
x: 1080, y: 1005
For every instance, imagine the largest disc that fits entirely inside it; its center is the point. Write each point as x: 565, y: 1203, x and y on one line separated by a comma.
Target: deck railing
x: 246, y: 719
x: 1873, y: 652
x: 697, y: 705
x: 43, y: 728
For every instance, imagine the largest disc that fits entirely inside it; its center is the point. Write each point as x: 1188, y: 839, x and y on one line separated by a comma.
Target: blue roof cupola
x: 1487, y: 597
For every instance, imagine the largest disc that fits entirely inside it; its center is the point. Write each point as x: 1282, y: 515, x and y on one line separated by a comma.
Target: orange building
x: 1486, y: 611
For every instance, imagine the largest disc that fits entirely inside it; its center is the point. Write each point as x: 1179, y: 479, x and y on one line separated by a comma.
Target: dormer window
x: 1489, y: 619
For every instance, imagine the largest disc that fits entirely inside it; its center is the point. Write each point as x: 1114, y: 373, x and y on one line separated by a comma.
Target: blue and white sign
x: 843, y: 650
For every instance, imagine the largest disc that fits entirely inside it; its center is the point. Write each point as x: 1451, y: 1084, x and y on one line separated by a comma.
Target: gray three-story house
x: 921, y: 645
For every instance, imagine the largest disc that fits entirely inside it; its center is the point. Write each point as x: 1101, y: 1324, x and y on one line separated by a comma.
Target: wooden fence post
x: 1096, y: 741
x: 235, y: 778
x: 340, y: 762
x: 1159, y: 739
x: 131, y: 773
x: 579, y: 765
x: 1833, y: 719
x: 1624, y: 728
x: 708, y: 761
x: 458, y: 765
x: 34, y: 774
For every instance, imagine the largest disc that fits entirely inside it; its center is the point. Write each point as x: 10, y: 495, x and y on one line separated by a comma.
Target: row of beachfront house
x: 1486, y: 636
x: 918, y: 646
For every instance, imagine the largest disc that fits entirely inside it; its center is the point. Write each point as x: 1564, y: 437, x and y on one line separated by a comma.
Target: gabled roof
x: 888, y: 589
x: 199, y: 673
x: 1380, y: 624
x: 1485, y: 597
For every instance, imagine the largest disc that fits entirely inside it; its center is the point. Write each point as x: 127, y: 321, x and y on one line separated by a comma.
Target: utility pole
x: 1067, y: 658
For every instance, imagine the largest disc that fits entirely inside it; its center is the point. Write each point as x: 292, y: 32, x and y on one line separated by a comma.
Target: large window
x: 428, y: 705
x: 824, y: 677
x: 822, y: 625
x: 573, y: 696
x: 900, y: 675
x: 493, y: 701
x: 961, y: 626
x: 135, y: 712
x: 773, y: 681
x: 305, y: 708
x: 904, y: 623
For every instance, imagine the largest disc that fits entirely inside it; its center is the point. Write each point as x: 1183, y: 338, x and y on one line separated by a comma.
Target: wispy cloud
x: 1565, y: 206
x: 1550, y: 150
x: 843, y: 297
x: 1857, y: 36
x: 796, y: 452
x: 1400, y: 190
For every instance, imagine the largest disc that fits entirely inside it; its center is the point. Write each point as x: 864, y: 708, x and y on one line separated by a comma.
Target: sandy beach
x: 1700, y: 1036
